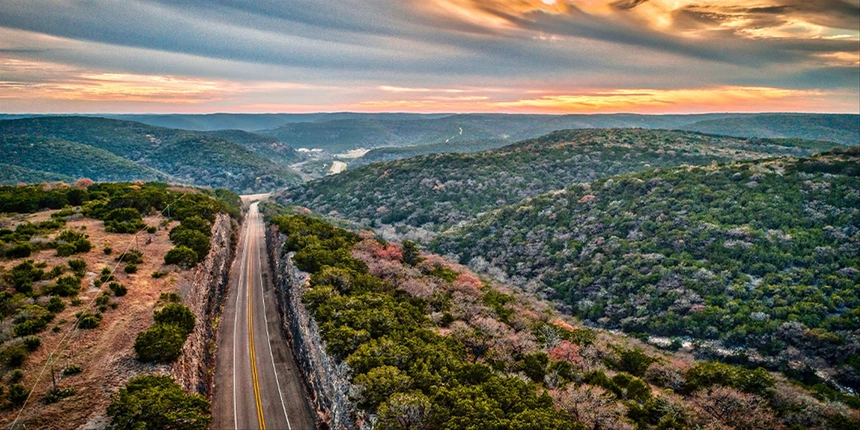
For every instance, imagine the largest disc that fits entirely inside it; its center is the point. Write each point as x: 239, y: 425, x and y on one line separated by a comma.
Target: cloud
x: 354, y: 51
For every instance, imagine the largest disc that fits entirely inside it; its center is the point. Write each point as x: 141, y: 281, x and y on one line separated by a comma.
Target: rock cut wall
x: 204, y: 292
x: 326, y: 380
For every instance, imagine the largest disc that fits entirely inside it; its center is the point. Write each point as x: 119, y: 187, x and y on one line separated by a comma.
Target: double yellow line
x: 260, y: 418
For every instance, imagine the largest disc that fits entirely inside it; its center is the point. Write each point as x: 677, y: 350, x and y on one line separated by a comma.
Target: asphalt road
x: 257, y: 383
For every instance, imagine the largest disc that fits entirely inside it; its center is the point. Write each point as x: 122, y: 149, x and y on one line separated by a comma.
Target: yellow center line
x: 257, y: 398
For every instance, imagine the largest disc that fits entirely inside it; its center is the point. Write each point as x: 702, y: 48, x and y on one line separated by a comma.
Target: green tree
x: 153, y: 402
x: 176, y: 314
x: 411, y: 253
x: 181, y: 256
x: 160, y: 343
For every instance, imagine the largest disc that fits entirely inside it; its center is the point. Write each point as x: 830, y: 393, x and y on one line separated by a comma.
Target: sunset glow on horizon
x: 514, y: 56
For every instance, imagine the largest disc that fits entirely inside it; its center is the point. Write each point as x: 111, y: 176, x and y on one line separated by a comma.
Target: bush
x: 159, y: 274
x: 154, y: 402
x: 160, y: 343
x: 72, y: 370
x: 32, y: 343
x: 89, y: 320
x: 16, y: 375
x: 181, y: 256
x: 176, y: 314
x: 151, y: 229
x: 66, y: 286
x: 132, y: 256
x: 107, y: 250
x: 118, y: 289
x: 55, y: 305
x: 20, y: 250
x: 193, y: 239
x: 14, y: 355
x: 78, y: 266
x: 65, y: 249
x: 17, y: 394
x: 130, y: 268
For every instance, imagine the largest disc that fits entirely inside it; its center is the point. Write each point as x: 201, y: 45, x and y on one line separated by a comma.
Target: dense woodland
x: 435, y: 192
x: 762, y: 256
x: 430, y: 345
x: 108, y: 150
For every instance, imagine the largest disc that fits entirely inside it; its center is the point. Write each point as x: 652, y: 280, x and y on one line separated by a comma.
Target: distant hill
x: 187, y: 156
x: 843, y: 129
x: 350, y: 133
x: 74, y: 160
x: 437, y: 191
x: 11, y: 175
x: 251, y: 122
x: 265, y: 146
x: 756, y: 254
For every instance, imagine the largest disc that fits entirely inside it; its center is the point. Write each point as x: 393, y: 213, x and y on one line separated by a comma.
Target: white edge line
x: 269, y: 340
x: 235, y: 325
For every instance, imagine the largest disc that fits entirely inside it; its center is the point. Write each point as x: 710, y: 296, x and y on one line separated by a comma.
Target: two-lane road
x: 257, y: 384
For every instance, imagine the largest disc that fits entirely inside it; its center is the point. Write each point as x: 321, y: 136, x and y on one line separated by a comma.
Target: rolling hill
x: 74, y: 160
x: 435, y: 192
x: 758, y: 255
x: 187, y: 156
x: 843, y: 129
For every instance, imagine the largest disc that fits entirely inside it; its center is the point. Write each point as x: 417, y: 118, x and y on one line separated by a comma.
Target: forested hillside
x: 73, y: 160
x: 758, y: 255
x: 843, y: 129
x: 430, y: 345
x: 435, y: 192
x: 186, y: 156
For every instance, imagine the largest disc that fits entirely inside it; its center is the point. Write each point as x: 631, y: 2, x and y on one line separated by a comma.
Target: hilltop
x: 105, y: 150
x: 435, y: 192
x: 761, y: 256
x: 843, y: 129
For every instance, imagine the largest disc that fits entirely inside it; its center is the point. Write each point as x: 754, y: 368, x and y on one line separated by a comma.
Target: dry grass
x: 105, y: 353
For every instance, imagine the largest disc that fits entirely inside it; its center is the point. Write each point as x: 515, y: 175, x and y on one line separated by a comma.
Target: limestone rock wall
x: 204, y: 291
x: 327, y: 381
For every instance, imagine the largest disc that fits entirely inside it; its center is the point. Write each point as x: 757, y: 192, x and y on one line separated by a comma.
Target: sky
x: 514, y: 56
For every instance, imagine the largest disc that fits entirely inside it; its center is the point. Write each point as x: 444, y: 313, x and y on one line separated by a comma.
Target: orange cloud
x: 753, y: 99
x: 749, y: 19
x: 721, y: 99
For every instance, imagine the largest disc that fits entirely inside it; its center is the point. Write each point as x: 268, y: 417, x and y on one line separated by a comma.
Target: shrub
x: 14, y: 355
x: 72, y: 370
x: 66, y: 286
x: 160, y: 343
x: 118, y: 289
x: 17, y: 394
x: 130, y: 268
x: 65, y: 249
x: 154, y: 402
x: 89, y: 320
x: 107, y: 250
x: 78, y: 266
x: 132, y: 256
x: 193, y: 239
x: 32, y: 343
x: 159, y: 274
x: 20, y: 250
x: 54, y: 396
x: 16, y: 375
x: 151, y: 229
x: 176, y: 314
x: 55, y: 305
x: 181, y: 256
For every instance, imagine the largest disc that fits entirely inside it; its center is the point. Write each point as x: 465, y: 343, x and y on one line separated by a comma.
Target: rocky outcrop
x: 204, y: 291
x: 327, y: 381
